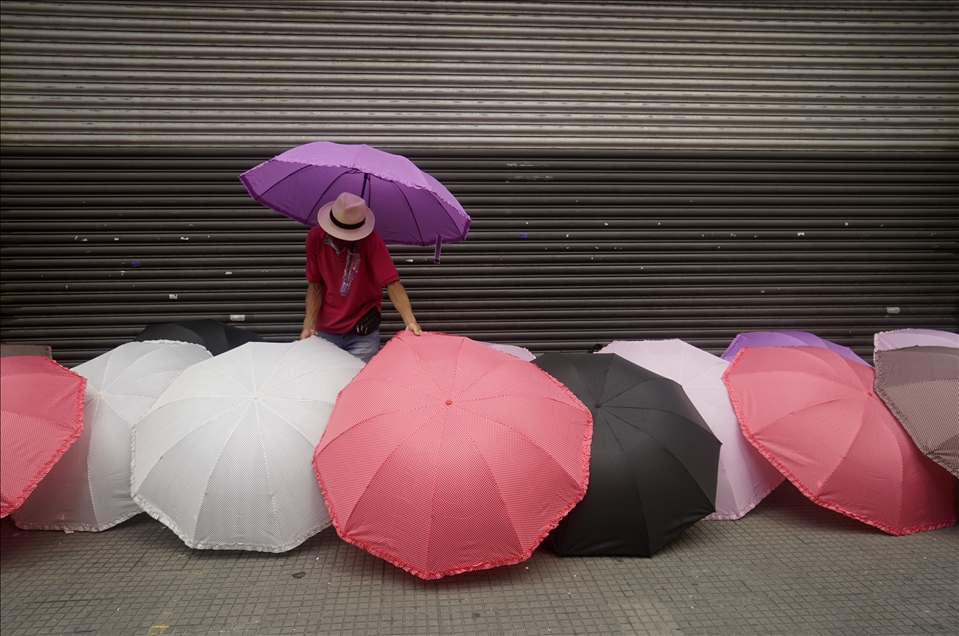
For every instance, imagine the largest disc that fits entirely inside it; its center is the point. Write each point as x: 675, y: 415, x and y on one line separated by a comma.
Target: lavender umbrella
x: 786, y: 339
x: 411, y: 207
x: 902, y: 338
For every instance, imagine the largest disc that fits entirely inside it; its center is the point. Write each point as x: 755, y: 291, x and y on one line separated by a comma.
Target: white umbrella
x: 224, y: 457
x: 518, y: 352
x: 745, y: 476
x: 902, y: 338
x: 89, y: 487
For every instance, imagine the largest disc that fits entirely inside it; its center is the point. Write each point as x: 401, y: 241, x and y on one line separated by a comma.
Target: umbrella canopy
x: 214, y: 336
x: 223, y: 456
x: 653, y: 463
x: 42, y: 415
x: 786, y: 339
x: 89, y: 487
x: 745, y: 476
x: 901, y: 338
x: 411, y: 207
x: 814, y: 415
x: 444, y: 456
x: 920, y: 385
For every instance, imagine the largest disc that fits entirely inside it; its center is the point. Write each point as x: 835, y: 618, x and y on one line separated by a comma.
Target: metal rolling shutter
x: 634, y: 170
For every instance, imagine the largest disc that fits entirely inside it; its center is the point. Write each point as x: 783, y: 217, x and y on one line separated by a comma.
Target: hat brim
x: 324, y: 221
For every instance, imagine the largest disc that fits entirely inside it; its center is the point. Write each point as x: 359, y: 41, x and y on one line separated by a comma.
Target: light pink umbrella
x: 814, y: 415
x: 902, y: 338
x: 42, y: 415
x: 745, y: 476
x: 444, y: 456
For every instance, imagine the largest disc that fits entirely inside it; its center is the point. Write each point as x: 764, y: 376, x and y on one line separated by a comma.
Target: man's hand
x: 415, y: 328
x: 306, y: 333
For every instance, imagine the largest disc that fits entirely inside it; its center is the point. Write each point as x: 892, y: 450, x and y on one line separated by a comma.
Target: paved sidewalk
x: 788, y: 567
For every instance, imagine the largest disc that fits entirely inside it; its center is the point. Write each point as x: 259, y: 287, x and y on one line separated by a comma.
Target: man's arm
x: 314, y: 299
x: 402, y: 304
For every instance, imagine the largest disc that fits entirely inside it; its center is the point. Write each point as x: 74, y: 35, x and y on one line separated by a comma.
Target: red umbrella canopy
x: 42, y: 415
x: 814, y: 415
x: 444, y: 456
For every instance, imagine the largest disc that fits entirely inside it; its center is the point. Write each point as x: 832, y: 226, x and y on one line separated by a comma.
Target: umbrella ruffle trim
x: 14, y: 503
x: 165, y: 519
x: 485, y: 564
x: 76, y: 527
x: 885, y: 527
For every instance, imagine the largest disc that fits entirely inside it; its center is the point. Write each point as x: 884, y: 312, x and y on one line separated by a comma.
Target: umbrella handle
x: 436, y: 252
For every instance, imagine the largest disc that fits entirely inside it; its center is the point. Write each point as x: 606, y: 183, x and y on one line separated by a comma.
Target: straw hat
x: 347, y: 218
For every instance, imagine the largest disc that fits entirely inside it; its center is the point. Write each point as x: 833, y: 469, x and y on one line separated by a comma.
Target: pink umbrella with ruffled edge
x: 814, y: 415
x: 42, y: 415
x: 444, y: 456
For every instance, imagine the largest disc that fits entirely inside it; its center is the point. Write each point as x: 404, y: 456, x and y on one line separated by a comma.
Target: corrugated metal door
x: 633, y: 170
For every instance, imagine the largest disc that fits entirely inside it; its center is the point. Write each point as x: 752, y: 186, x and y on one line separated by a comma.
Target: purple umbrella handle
x: 436, y: 252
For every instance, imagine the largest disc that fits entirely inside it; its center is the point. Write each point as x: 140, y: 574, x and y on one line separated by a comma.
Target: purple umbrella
x: 786, y: 339
x: 411, y: 207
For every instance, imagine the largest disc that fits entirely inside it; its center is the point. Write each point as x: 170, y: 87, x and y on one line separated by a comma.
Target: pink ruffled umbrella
x: 444, y: 455
x: 42, y: 415
x: 814, y: 415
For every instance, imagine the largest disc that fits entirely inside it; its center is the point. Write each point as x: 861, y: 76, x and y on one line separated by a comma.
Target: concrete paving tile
x: 788, y: 567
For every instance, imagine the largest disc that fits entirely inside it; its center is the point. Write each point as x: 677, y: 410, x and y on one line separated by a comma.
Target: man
x: 347, y: 266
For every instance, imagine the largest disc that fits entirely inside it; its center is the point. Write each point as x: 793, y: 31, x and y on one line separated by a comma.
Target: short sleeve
x: 314, y: 242
x: 384, y: 271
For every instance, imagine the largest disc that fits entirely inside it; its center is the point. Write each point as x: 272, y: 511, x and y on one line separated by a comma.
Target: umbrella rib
x: 213, y: 466
x: 422, y: 364
x: 661, y: 445
x: 386, y: 460
x: 316, y: 203
x: 410, y: 208
x: 485, y: 375
x: 287, y: 420
x: 531, y: 441
x: 499, y: 492
x: 259, y: 198
x: 266, y: 464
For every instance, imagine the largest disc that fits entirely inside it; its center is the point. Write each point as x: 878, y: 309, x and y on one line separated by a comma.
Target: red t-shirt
x: 339, y: 313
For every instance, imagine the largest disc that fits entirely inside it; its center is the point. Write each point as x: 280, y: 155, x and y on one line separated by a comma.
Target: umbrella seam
x: 672, y: 454
x: 377, y: 472
x: 492, y: 477
x: 266, y: 465
x: 213, y: 467
x: 521, y: 434
x: 409, y: 207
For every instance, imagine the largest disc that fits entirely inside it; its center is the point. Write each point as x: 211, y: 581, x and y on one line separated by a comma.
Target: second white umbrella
x: 224, y: 457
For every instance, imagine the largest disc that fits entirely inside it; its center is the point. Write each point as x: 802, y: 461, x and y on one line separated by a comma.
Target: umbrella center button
x: 449, y: 402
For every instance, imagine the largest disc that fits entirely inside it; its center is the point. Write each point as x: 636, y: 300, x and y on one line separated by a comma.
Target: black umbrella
x: 654, y: 461
x: 215, y: 336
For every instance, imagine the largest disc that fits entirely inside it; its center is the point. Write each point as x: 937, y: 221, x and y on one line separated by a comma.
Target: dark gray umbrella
x: 654, y: 461
x: 215, y: 336
x: 920, y: 385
